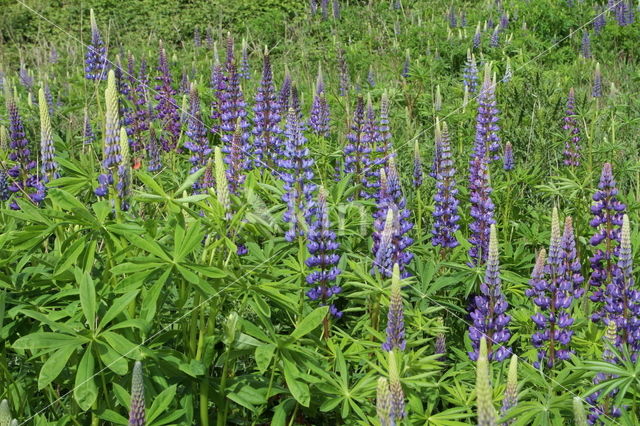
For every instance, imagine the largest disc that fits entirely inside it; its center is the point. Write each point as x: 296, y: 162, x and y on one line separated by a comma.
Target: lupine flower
x: 553, y: 295
x: 599, y: 404
x: 245, y: 70
x: 25, y: 77
x: 313, y: 6
x: 285, y: 93
x: 234, y: 116
x: 319, y: 118
x: 417, y: 165
x: 510, y: 399
x: 489, y: 316
x: 266, y: 121
x: 22, y: 178
x: 141, y: 113
x: 600, y: 20
x: 622, y: 299
x: 53, y: 55
x: 235, y: 160
x: 607, y: 219
x: 477, y: 37
x: 507, y: 157
x: 446, y: 203
x: 487, y: 415
x: 322, y: 246
x: 324, y: 5
x: 508, y: 72
x: 585, y: 48
x: 579, y: 415
x: 397, y: 412
x: 395, y: 317
x: 111, y: 157
x: 222, y: 184
x: 452, y: 17
x: 48, y: 99
x: 153, y: 151
x: 371, y: 77
x: 372, y: 140
x: 437, y: 102
x: 494, y: 41
x: 406, y: 67
x: 622, y: 13
x: 49, y: 167
x: 123, y: 186
x: 470, y: 73
x: 572, y: 143
x: 390, y: 239
x: 441, y: 346
x: 137, y: 410
x: 357, y: 153
x: 344, y: 72
x: 383, y: 402
x: 166, y: 109
x: 184, y: 83
x: 336, y: 9
x: 197, y: 38
x: 463, y: 19
x: 504, y: 21
x: 596, y: 92
x: 197, y: 143
x: 482, y: 208
x: 487, y: 140
x: 631, y: 7
x: 385, y: 150
x: 297, y: 165
x: 571, y: 275
x: 209, y: 37
x: 88, y: 137
x: 296, y: 106
x: 4, y: 186
x: 96, y: 57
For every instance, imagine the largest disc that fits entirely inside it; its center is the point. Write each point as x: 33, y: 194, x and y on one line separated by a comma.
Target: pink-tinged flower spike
x: 607, y: 213
x: 319, y: 118
x: 137, y: 411
x: 267, y: 135
x: 49, y: 167
x: 489, y: 316
x: 395, y: 318
x: 96, y: 56
x: 446, y: 202
x: 572, y: 142
x: 167, y: 109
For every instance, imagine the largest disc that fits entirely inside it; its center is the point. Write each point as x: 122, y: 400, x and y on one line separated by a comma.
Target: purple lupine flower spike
x: 111, y: 156
x: 390, y: 198
x: 218, y: 87
x: 197, y: 37
x: 54, y: 57
x: 322, y: 247
x: 48, y: 98
x: 153, y: 152
x: 477, y: 37
x: 137, y: 411
x: 297, y: 165
x: 357, y: 152
x: 571, y: 268
x: 487, y: 140
x: 406, y: 67
x: 197, y: 143
x: 167, y: 109
x: 445, y: 213
x: 504, y: 21
x: 395, y: 318
x: 26, y: 79
x: 343, y: 69
x: 596, y: 91
x: 622, y: 299
x: 603, y: 405
x: 235, y: 160
x: 470, y: 73
x: 417, y: 166
x: 123, y: 186
x: 607, y: 219
x: 285, y: 93
x: 507, y: 157
x: 49, y: 167
x: 324, y: 6
x: 319, y: 118
x: 482, y: 208
x: 453, y: 22
x: 245, y: 69
x: 572, y: 143
x: 96, y: 56
x: 372, y: 140
x: 600, y: 21
x: 585, y: 48
x: 88, y: 137
x: 494, y: 41
x: 266, y: 120
x: 489, y: 316
x: 553, y: 296
x: 335, y: 5
x: 385, y: 150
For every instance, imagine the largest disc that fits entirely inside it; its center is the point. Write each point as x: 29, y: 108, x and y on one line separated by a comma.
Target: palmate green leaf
x: 161, y: 403
x: 121, y: 344
x: 112, y: 360
x: 53, y: 366
x: 299, y: 389
x: 85, y: 390
x: 113, y: 418
x: 148, y: 245
x: 118, y: 305
x: 70, y: 256
x: 264, y: 355
x: 310, y: 322
x: 48, y: 340
x: 87, y: 297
